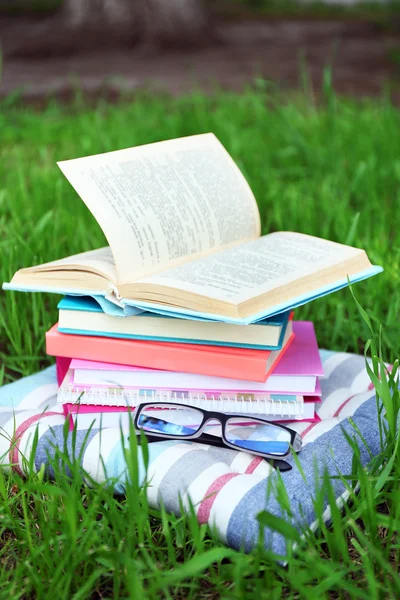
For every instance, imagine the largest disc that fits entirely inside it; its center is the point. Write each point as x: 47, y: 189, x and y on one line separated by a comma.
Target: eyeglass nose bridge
x: 209, y: 418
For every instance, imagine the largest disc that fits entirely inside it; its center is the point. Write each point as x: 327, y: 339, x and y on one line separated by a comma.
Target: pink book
x: 302, y: 357
x: 297, y: 373
x: 181, y: 382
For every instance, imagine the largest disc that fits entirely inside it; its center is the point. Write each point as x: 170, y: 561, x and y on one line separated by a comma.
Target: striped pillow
x: 228, y: 488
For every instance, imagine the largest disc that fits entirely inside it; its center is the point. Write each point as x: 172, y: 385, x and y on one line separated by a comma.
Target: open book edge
x: 278, y: 308
x: 237, y: 282
x: 295, y: 302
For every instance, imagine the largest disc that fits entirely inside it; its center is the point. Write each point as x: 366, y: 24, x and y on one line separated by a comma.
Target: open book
x: 184, y: 237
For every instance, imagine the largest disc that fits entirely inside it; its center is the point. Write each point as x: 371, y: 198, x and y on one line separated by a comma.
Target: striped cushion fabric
x: 227, y: 488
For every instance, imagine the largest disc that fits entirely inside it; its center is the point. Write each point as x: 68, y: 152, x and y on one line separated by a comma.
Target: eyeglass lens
x: 257, y: 437
x: 162, y: 418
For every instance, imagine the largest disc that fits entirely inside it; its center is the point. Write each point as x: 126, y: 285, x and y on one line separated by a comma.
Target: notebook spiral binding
x: 290, y: 406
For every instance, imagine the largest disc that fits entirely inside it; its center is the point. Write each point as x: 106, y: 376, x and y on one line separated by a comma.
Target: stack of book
x: 107, y: 365
x: 189, y: 304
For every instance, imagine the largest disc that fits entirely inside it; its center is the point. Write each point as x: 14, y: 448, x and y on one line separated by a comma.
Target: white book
x: 156, y: 379
x: 286, y: 406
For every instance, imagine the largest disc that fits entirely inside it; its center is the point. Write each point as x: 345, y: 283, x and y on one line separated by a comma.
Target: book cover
x: 84, y: 316
x: 62, y: 366
x: 242, y: 363
x: 302, y: 358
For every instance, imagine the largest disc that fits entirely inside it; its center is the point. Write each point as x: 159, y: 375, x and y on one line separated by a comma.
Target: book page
x: 159, y: 203
x: 246, y: 271
x: 99, y: 261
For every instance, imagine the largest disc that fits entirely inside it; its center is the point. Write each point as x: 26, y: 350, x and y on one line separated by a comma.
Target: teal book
x: 86, y: 316
x: 184, y: 235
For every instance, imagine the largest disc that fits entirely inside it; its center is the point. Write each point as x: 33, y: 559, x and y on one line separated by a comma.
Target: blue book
x: 184, y: 234
x: 85, y: 315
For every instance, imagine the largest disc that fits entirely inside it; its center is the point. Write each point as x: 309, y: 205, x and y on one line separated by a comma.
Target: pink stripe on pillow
x: 203, y: 513
x: 19, y: 432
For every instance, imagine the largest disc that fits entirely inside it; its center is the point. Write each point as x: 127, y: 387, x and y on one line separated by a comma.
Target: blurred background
x: 53, y: 47
x: 303, y: 94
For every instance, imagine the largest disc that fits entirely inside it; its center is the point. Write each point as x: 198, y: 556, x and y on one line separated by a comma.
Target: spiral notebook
x: 282, y: 406
x: 86, y: 416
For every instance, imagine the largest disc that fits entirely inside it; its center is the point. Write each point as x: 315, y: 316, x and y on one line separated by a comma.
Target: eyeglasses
x: 180, y: 421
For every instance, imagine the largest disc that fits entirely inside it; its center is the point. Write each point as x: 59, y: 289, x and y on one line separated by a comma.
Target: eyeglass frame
x: 295, y: 439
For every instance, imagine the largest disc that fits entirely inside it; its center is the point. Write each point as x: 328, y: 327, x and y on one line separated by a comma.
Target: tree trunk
x: 173, y: 22
x: 97, y: 24
x: 155, y: 22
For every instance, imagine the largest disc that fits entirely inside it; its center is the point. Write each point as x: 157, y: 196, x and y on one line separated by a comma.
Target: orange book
x: 238, y: 363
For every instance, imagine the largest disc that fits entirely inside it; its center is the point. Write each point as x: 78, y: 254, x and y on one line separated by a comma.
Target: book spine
x: 292, y: 407
x: 158, y: 356
x: 62, y: 366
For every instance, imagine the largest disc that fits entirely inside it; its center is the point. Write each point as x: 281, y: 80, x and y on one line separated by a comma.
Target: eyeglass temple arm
x: 297, y: 443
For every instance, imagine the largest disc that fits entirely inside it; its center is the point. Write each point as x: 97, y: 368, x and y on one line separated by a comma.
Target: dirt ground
x: 365, y: 59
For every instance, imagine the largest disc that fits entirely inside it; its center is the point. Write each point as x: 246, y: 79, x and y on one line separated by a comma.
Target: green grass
x: 29, y: 6
x: 366, y: 9
x: 374, y: 10
x: 333, y: 171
